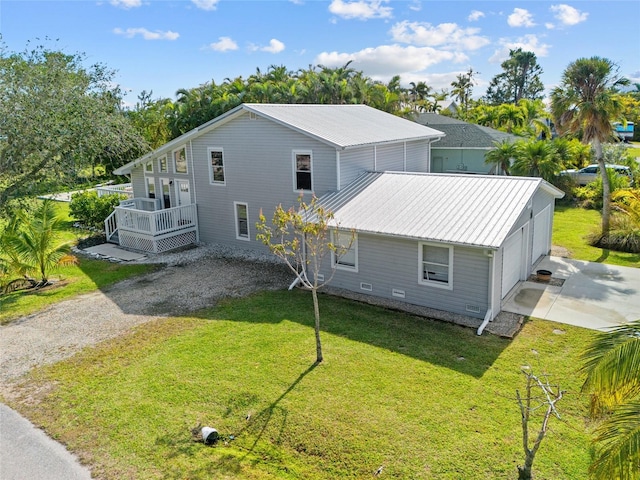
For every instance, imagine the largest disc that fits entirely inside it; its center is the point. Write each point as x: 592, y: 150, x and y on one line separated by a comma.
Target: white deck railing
x: 154, y: 223
x: 123, y: 188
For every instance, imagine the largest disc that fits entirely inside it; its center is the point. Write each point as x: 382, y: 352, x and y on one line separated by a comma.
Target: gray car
x: 589, y: 174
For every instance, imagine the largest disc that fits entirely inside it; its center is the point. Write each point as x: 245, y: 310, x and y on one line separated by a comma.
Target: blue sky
x: 165, y: 45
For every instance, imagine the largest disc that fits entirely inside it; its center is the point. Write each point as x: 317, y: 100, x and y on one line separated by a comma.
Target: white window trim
x: 295, y: 169
x: 335, y: 262
x: 166, y: 162
x: 149, y: 163
x: 224, y: 168
x: 432, y: 283
x: 155, y: 187
x: 186, y: 161
x: 235, y: 214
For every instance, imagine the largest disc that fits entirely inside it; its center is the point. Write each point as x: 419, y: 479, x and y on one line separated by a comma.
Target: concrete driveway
x: 593, y: 295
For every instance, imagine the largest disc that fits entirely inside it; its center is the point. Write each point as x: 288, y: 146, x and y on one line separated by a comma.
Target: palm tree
x: 501, y: 156
x: 585, y: 103
x: 510, y: 117
x: 536, y: 159
x: 30, y: 244
x: 612, y: 365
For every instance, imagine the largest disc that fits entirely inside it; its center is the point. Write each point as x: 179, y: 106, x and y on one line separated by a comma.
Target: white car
x: 589, y: 174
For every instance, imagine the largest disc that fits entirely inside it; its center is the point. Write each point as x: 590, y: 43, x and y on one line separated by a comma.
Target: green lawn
x: 570, y: 227
x: 423, y: 398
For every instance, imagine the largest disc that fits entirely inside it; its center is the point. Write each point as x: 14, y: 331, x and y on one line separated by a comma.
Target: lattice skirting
x: 149, y: 244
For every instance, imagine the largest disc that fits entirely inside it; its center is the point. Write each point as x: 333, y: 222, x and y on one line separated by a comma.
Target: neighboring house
x: 464, y: 147
x: 457, y: 243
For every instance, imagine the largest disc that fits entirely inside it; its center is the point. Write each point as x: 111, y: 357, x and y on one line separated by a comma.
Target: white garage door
x: 541, y: 225
x: 511, y: 262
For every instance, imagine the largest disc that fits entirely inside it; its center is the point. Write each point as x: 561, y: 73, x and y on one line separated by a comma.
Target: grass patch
x: 572, y: 226
x: 425, y: 399
x: 87, y: 276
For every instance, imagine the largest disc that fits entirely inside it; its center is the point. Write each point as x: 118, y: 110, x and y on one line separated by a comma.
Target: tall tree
x: 463, y: 89
x: 56, y: 116
x: 520, y: 79
x: 585, y: 104
x: 612, y: 365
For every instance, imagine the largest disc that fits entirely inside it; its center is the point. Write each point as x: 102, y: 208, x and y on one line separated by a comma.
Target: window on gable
x: 436, y: 265
x: 148, y: 167
x: 242, y: 221
x: 302, y: 165
x: 346, y: 255
x: 162, y: 162
x: 180, y: 160
x: 216, y: 166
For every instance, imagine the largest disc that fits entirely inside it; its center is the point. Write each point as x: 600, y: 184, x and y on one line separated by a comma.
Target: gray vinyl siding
x: 390, y: 157
x: 388, y: 263
x: 259, y: 171
x: 418, y: 156
x: 354, y: 162
x: 138, y: 183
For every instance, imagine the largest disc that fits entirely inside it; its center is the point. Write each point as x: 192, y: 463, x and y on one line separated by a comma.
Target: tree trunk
x: 606, y: 190
x: 316, y: 313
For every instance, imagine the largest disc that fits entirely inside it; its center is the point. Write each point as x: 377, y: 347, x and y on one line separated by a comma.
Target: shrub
x: 590, y: 196
x: 91, y: 210
x: 624, y: 235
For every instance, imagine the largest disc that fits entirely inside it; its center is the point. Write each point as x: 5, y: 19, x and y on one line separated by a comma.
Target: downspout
x: 489, y: 315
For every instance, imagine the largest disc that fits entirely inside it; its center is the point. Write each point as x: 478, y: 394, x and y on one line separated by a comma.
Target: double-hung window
x: 345, y: 255
x: 242, y: 220
x: 180, y: 160
x: 302, y: 164
x: 216, y: 166
x: 436, y: 265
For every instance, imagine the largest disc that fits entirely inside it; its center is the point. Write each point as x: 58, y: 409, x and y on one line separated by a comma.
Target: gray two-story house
x: 457, y: 243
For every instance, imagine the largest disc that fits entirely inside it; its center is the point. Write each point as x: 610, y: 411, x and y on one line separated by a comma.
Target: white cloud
x: 568, y: 15
x: 520, y: 18
x: 475, y: 15
x: 381, y: 63
x: 361, y: 9
x: 415, y: 5
x: 275, y: 46
x: 528, y: 43
x: 224, y: 44
x: 445, y: 35
x: 146, y: 34
x: 206, y: 4
x: 126, y: 4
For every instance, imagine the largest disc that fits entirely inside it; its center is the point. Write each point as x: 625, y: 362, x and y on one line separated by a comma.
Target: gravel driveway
x: 187, y: 281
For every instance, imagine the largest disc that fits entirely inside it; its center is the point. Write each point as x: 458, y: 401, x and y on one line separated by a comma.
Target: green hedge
x: 91, y: 210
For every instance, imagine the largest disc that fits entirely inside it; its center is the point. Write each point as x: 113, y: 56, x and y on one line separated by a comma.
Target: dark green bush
x: 90, y: 210
x: 624, y: 235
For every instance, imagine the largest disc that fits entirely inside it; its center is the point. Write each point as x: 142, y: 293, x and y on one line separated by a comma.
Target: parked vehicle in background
x: 590, y: 173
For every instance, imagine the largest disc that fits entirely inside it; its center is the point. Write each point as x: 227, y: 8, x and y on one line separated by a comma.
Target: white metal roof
x: 475, y: 210
x: 342, y: 126
x: 345, y: 126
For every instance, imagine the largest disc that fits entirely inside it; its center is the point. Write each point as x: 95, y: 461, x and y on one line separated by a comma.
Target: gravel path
x: 187, y: 281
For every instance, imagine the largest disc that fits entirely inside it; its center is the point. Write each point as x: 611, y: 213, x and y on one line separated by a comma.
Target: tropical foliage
x: 585, y: 104
x: 519, y: 80
x: 30, y: 246
x: 612, y: 366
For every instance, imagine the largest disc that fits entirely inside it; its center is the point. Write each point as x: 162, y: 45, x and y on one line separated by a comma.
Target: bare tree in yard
x: 529, y: 403
x: 302, y: 238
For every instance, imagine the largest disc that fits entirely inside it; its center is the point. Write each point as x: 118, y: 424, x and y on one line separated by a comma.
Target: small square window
x: 216, y: 166
x: 303, y: 171
x: 148, y: 167
x: 180, y: 160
